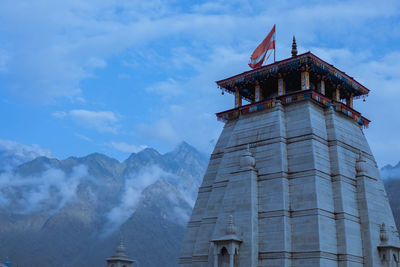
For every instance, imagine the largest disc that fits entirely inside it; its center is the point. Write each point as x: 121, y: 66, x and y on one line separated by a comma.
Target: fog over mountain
x: 71, y: 212
x: 13, y: 154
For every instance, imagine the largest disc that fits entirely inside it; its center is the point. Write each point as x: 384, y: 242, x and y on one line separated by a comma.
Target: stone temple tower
x: 292, y: 180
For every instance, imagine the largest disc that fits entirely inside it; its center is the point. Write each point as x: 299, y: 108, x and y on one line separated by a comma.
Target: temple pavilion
x: 290, y: 80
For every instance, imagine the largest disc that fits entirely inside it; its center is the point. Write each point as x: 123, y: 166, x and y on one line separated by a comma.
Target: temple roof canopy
x: 307, y: 61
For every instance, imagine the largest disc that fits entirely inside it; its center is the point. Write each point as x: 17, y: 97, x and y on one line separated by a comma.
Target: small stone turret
x: 230, y: 228
x: 389, y: 253
x: 121, y: 249
x: 226, y: 248
x: 120, y: 259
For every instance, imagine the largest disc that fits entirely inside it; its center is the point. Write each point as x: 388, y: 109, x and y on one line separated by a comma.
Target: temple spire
x: 294, y: 47
x: 121, y: 248
x: 120, y: 258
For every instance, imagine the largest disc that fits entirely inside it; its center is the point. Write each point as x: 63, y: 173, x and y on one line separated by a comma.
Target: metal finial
x: 294, y: 47
x: 121, y: 248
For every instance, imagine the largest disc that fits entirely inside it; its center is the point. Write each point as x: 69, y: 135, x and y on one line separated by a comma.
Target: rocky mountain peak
x: 390, y: 172
x: 36, y: 165
x: 95, y: 196
x: 186, y: 153
x: 99, y: 157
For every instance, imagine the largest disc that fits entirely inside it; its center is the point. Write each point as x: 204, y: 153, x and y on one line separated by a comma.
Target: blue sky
x: 108, y: 76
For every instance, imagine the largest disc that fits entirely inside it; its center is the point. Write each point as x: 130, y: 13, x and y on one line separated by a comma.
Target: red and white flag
x: 258, y: 56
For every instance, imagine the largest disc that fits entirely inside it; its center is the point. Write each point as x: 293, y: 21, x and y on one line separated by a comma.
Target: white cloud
x: 179, y: 214
x: 209, y: 7
x: 348, y: 11
x: 76, y: 38
x: 132, y: 191
x: 83, y: 137
x: 168, y: 88
x: 13, y: 154
x: 59, y: 114
x: 102, y: 121
x: 4, y: 59
x: 161, y: 129
x: 47, y: 192
x: 95, y: 62
x: 128, y: 148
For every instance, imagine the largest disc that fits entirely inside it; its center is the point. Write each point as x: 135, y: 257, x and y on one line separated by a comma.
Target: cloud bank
x: 47, y: 192
x: 13, y: 154
x: 131, y: 193
x: 100, y: 121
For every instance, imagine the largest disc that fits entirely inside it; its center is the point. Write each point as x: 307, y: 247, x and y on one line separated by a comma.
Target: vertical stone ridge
x: 324, y: 195
x: 336, y: 185
x: 254, y: 214
x: 287, y: 226
x: 363, y: 207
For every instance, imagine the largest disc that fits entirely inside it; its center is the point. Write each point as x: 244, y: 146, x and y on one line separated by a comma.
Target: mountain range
x: 72, y: 212
x: 391, y: 179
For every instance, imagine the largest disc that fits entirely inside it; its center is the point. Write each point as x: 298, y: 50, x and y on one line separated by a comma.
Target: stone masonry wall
x: 305, y: 204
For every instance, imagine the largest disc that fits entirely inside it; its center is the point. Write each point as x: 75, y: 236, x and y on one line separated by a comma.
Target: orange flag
x: 258, y: 56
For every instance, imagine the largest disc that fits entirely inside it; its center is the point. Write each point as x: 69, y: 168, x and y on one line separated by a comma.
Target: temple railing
x: 346, y: 110
x: 291, y: 98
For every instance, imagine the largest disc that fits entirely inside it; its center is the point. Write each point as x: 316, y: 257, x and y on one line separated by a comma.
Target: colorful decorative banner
x: 287, y: 99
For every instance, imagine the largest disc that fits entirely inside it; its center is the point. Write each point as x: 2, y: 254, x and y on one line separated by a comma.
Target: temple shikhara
x: 292, y: 180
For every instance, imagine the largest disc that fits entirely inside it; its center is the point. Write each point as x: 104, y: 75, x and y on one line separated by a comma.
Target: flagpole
x: 275, y: 42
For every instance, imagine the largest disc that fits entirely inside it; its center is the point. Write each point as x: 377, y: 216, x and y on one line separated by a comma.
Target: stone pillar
x: 231, y: 258
x: 238, y: 98
x: 258, y: 93
x: 305, y: 80
x: 322, y: 87
x: 243, y: 193
x: 281, y: 87
x: 215, y: 256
